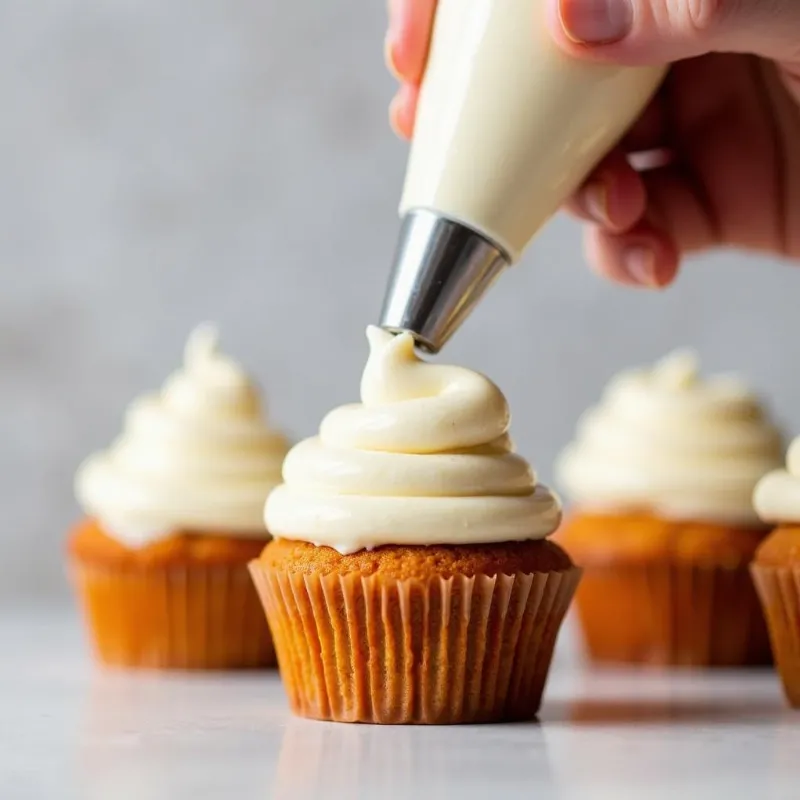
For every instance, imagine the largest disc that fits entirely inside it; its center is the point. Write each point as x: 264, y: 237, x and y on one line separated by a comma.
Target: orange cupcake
x: 662, y: 474
x: 173, y: 517
x: 776, y: 567
x: 410, y: 580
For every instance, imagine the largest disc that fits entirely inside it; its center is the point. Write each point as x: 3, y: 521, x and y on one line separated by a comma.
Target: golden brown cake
x: 432, y: 634
x: 662, y: 474
x: 185, y: 601
x: 776, y: 568
x: 664, y: 592
x: 174, y: 515
x: 410, y: 580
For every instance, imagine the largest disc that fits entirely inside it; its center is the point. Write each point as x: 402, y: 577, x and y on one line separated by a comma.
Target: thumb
x: 661, y: 31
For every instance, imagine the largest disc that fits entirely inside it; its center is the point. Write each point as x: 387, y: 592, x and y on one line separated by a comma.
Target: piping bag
x: 508, y: 126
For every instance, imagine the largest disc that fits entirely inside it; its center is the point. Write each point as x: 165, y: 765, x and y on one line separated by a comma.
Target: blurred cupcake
x: 662, y: 474
x: 174, y: 514
x: 776, y: 567
x: 410, y: 580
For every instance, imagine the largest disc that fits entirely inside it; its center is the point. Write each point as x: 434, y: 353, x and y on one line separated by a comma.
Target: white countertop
x: 69, y: 730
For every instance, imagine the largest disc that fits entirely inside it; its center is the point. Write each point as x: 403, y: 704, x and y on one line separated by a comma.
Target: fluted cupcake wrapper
x: 195, y: 617
x: 672, y: 615
x: 376, y: 649
x: 779, y: 591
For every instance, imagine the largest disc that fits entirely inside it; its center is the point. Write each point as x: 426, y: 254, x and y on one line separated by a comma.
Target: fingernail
x: 640, y: 264
x: 595, y: 200
x: 595, y: 21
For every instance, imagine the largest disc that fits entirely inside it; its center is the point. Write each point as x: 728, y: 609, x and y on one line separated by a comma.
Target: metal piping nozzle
x: 441, y: 270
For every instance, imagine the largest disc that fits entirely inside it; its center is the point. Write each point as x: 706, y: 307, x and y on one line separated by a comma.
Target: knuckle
x: 704, y: 14
x: 696, y: 16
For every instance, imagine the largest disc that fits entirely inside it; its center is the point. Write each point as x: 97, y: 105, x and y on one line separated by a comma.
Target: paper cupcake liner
x: 195, y: 617
x: 672, y: 615
x: 375, y: 649
x: 779, y: 591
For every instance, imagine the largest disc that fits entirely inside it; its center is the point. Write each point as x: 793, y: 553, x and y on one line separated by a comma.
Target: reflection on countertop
x: 71, y: 730
x: 363, y: 761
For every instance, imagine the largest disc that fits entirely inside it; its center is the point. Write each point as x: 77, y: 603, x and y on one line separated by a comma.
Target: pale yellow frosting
x: 777, y: 495
x: 667, y: 441
x: 425, y: 458
x: 199, y: 455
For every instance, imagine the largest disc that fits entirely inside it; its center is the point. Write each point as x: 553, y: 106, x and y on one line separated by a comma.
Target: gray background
x: 166, y: 163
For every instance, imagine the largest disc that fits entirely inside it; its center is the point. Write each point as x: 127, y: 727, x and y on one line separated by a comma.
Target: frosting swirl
x: 425, y: 458
x: 666, y: 441
x: 199, y: 455
x: 777, y: 495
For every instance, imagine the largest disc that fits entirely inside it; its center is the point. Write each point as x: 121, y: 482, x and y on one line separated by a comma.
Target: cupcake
x: 776, y: 567
x: 661, y: 474
x: 410, y: 579
x: 173, y: 516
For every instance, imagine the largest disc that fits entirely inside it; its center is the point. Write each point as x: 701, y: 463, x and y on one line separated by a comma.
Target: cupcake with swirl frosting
x: 173, y: 516
x: 411, y: 579
x: 661, y: 475
x: 776, y: 567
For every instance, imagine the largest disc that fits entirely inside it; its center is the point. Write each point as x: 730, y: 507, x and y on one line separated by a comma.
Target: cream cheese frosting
x: 777, y: 495
x: 666, y: 441
x: 199, y: 455
x: 425, y: 458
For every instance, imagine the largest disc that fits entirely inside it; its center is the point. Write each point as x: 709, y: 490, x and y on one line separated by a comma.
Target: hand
x: 716, y: 155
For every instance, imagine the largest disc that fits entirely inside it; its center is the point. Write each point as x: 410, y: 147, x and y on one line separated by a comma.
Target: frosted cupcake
x: 411, y: 580
x: 776, y: 567
x: 661, y: 475
x: 174, y: 514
